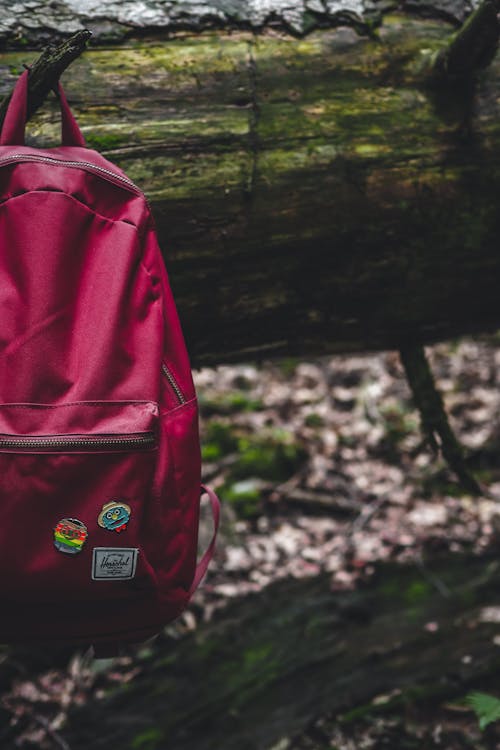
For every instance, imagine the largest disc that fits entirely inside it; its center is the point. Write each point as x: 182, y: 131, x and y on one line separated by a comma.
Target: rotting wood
x: 29, y: 22
x: 271, y: 664
x: 311, y: 197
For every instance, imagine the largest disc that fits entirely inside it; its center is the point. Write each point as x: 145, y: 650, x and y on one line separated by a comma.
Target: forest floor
x: 321, y: 467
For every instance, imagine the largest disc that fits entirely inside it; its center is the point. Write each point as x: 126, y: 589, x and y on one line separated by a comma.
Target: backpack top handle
x: 15, y: 118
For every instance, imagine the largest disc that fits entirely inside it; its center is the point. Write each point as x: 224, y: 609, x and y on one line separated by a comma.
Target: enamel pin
x: 70, y: 535
x: 114, y: 516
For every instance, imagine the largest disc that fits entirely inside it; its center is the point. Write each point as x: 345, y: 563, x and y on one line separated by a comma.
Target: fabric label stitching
x: 114, y: 563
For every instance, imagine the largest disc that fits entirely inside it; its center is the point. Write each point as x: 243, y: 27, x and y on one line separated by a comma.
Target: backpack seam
x: 171, y: 413
x: 128, y: 222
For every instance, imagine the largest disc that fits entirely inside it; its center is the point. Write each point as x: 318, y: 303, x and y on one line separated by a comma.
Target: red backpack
x: 99, y: 450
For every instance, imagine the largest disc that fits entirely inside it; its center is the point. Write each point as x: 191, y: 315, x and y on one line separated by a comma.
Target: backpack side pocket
x: 177, y: 502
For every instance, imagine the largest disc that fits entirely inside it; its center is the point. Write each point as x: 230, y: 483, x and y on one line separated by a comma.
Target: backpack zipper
x: 107, y: 173
x: 76, y: 442
x: 173, y: 384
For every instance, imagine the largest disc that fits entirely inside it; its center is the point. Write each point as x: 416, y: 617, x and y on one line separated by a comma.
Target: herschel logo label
x: 114, y: 563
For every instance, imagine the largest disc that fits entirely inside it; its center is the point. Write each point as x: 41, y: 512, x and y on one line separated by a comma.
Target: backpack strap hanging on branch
x: 46, y: 70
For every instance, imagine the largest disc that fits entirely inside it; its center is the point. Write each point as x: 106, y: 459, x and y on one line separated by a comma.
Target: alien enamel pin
x: 114, y: 516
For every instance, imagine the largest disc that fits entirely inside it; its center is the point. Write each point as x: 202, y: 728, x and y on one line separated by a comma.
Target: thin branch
x: 55, y: 736
x: 47, y: 69
x: 472, y: 48
x: 433, y: 415
x: 434, y: 580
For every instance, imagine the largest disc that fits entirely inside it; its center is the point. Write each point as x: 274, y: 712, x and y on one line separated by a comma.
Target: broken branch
x: 47, y: 69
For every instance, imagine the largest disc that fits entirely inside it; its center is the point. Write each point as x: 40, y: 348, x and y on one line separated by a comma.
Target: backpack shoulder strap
x: 15, y: 118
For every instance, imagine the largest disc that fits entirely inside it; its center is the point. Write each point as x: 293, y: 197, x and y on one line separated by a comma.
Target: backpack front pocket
x: 75, y: 481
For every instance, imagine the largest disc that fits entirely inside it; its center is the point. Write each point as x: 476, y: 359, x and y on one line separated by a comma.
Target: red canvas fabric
x: 97, y: 402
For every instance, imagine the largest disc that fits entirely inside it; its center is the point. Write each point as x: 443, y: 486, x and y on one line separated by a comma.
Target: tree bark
x: 269, y: 665
x: 36, y: 22
x: 312, y: 196
x: 46, y: 71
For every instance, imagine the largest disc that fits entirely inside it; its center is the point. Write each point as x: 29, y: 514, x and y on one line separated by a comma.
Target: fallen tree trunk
x: 311, y: 196
x: 269, y: 665
x: 27, y: 22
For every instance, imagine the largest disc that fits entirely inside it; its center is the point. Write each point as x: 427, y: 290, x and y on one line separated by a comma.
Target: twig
x: 27, y: 711
x: 47, y: 69
x: 55, y: 736
x: 433, y: 415
x: 367, y: 513
x: 438, y: 584
x: 312, y: 499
